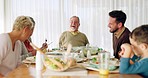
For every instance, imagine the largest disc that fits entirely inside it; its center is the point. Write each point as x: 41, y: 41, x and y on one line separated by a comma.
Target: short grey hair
x: 76, y: 17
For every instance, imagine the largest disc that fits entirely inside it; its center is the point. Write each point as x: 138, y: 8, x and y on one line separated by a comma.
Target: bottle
x: 39, y: 62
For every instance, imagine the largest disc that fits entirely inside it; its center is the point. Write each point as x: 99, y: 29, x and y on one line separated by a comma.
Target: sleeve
x: 86, y: 40
x: 1, y: 54
x: 135, y: 58
x: 4, y: 47
x: 25, y: 52
x: 61, y: 40
x: 137, y: 67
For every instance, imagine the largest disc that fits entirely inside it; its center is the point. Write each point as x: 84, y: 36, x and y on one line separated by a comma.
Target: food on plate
x: 29, y: 59
x: 55, y: 63
x: 94, y: 60
x: 58, y: 64
x: 100, y: 49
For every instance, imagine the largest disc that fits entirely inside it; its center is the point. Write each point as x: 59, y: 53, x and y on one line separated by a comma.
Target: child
x: 137, y: 49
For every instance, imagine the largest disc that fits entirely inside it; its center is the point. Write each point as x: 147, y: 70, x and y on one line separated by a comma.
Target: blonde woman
x: 10, y: 46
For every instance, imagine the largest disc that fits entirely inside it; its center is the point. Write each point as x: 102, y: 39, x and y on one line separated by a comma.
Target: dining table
x: 29, y: 71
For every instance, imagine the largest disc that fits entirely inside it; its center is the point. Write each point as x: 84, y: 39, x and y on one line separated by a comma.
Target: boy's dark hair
x: 140, y: 34
x: 119, y: 15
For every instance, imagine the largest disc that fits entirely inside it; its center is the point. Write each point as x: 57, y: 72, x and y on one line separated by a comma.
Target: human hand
x: 44, y: 47
x: 126, y: 50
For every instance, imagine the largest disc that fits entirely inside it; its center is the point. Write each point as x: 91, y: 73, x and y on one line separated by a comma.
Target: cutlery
x: 50, y: 43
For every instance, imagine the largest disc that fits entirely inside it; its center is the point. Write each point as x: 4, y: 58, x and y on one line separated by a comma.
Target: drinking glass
x: 104, y: 58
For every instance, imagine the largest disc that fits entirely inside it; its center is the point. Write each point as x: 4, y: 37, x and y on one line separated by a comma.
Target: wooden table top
x: 29, y: 72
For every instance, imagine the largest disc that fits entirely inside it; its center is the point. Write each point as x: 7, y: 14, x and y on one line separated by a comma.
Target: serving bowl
x: 58, y: 62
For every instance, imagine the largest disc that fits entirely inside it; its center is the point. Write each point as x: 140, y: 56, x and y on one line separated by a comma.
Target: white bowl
x: 57, y: 62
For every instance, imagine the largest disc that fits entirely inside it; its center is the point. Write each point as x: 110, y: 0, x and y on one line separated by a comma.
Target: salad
x: 57, y: 63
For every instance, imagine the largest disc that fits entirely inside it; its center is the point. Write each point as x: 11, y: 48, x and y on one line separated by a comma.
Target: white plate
x: 96, y: 68
x: 53, y: 53
x: 29, y: 60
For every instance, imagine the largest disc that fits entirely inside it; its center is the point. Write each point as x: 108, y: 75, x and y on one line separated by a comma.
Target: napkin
x: 70, y: 72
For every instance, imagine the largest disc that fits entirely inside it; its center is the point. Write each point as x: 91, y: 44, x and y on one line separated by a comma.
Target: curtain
x: 1, y: 16
x: 52, y: 18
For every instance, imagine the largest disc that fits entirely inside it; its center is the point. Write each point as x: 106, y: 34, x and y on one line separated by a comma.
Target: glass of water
x: 104, y: 58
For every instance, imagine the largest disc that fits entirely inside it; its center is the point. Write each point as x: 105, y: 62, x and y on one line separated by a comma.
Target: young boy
x: 137, y: 49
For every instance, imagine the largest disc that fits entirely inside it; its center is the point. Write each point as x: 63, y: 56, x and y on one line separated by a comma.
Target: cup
x: 104, y: 58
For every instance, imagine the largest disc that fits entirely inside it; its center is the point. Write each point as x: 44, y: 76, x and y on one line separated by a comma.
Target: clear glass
x: 104, y: 58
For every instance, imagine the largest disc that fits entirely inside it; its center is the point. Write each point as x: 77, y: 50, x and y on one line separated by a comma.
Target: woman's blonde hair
x: 23, y: 21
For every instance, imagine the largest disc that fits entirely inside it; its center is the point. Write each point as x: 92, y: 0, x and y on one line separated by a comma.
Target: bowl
x: 93, y: 50
x: 114, y: 61
x: 57, y: 62
x: 77, y: 49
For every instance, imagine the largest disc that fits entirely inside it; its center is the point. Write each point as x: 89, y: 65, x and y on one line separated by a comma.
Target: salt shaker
x: 39, y: 62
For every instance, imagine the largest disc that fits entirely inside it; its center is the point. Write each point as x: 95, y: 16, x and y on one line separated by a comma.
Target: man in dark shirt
x: 120, y: 32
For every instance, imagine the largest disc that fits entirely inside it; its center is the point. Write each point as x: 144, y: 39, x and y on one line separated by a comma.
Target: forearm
x: 124, y: 64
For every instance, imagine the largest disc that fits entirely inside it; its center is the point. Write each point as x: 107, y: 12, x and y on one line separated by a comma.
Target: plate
x: 80, y: 60
x: 95, y: 67
x: 29, y: 60
x: 54, y: 53
x: 112, y: 61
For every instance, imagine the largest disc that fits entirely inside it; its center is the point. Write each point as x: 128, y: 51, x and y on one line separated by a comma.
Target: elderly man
x: 120, y: 32
x: 73, y: 36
